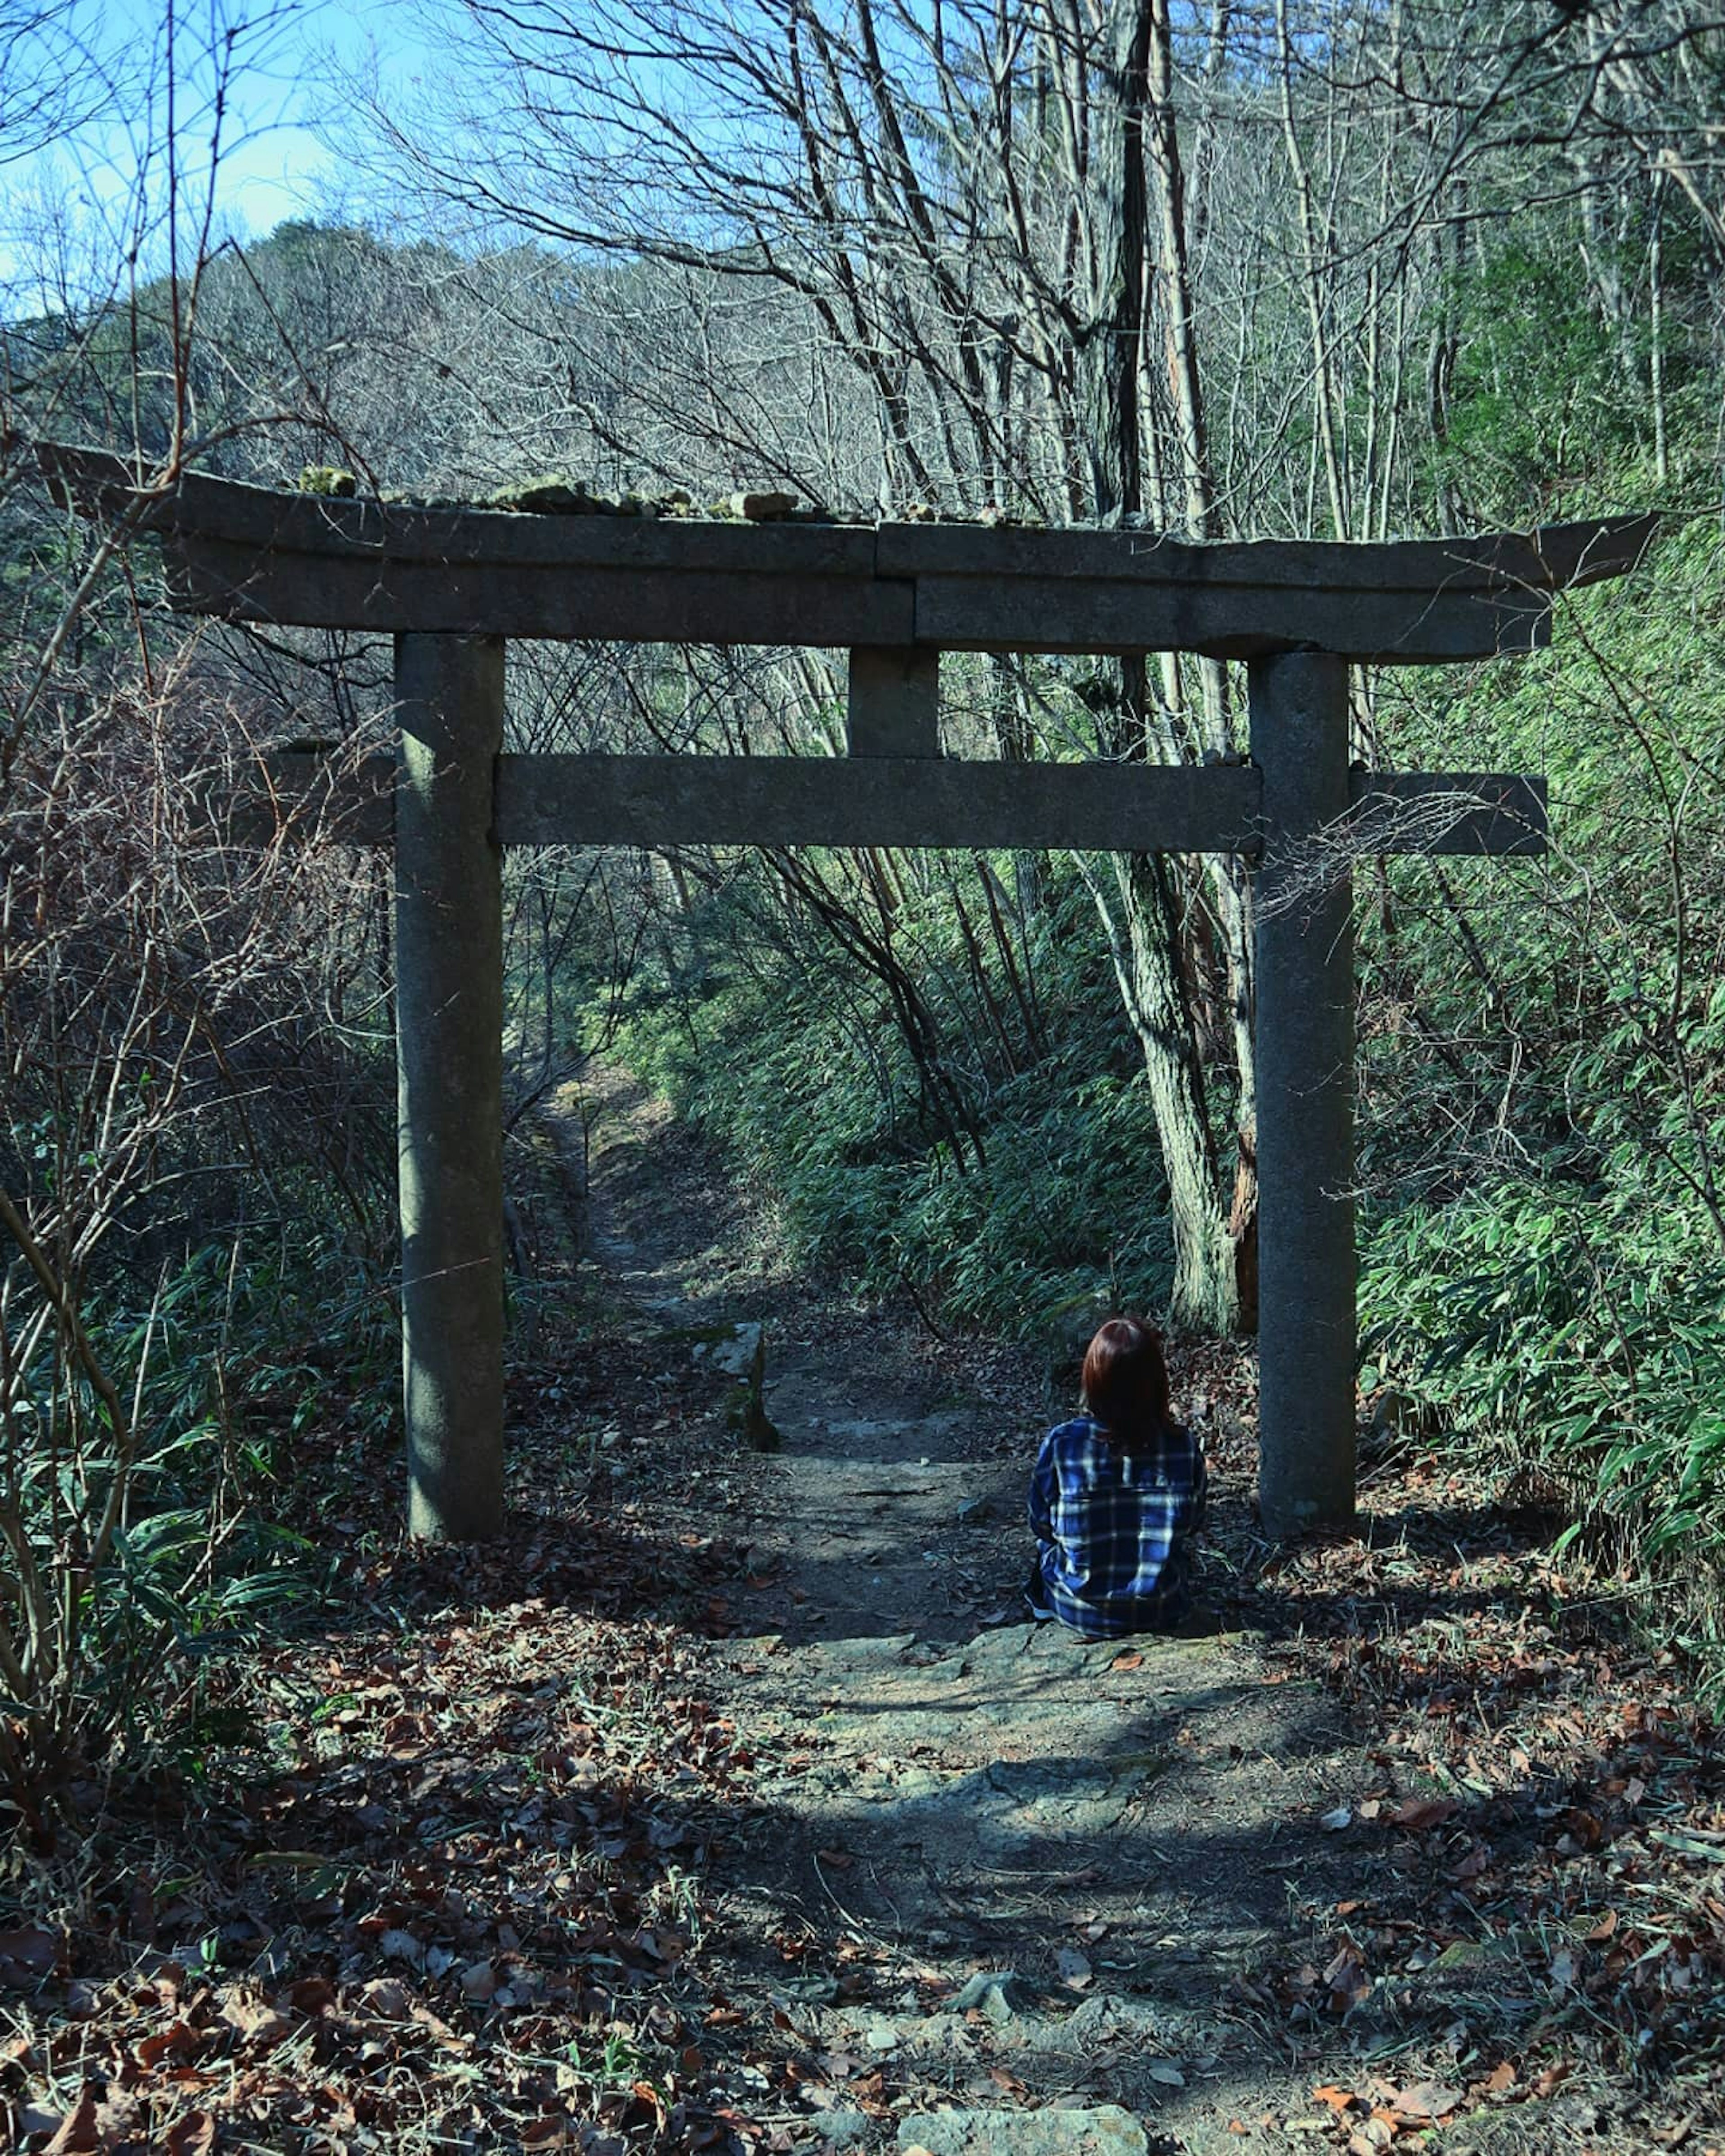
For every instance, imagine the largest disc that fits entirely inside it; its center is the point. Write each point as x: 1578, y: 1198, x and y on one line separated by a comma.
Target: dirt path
x: 722, y: 1806
x: 990, y: 1865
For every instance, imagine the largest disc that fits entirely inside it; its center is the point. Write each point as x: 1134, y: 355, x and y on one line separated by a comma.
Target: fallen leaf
x: 26, y: 1957
x: 1134, y: 1660
x: 1419, y: 1813
x: 1501, y: 2079
x: 1075, y: 1969
x: 193, y: 2135
x: 1420, y: 2105
x: 77, y: 2133
x: 258, y: 2023
x: 1333, y: 1822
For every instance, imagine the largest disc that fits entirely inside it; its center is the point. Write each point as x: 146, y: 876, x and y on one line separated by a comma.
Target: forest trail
x: 987, y: 1865
x: 723, y: 1806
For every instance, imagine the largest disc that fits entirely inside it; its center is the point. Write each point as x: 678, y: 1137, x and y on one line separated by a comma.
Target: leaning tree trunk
x: 1140, y: 920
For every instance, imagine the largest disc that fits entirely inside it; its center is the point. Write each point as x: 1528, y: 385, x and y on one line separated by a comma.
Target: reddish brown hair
x: 1126, y: 1382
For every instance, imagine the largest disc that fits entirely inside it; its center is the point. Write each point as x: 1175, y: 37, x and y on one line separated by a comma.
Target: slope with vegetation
x: 1334, y: 270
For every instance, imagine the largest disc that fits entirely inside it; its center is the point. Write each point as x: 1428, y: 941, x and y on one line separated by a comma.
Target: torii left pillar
x: 448, y: 1020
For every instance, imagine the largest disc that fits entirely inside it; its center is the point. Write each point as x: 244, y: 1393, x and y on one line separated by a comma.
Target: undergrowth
x: 1052, y: 1197
x: 143, y: 1558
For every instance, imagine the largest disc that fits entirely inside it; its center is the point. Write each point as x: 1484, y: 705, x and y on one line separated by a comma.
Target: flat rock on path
x: 1105, y: 2131
x: 1106, y: 1836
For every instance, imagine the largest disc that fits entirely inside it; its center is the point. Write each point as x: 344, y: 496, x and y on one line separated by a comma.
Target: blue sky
x: 69, y: 207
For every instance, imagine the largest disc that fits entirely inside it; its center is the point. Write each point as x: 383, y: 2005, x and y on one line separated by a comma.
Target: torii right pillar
x: 1306, y: 1417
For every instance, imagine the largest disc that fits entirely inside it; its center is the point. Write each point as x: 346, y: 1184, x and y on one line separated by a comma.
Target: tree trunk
x: 1204, y: 1296
x: 1140, y: 920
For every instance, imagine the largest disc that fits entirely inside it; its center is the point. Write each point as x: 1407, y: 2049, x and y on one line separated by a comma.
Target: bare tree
x: 964, y: 242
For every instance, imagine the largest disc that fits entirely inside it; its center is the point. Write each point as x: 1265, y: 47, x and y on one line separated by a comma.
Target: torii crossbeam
x: 453, y: 582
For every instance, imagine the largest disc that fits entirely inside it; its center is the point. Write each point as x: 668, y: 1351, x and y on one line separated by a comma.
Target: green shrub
x: 139, y: 1446
x: 1544, y: 1249
x: 1585, y: 1329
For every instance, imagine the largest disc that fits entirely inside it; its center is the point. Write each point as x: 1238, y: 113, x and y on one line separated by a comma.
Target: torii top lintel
x: 253, y: 553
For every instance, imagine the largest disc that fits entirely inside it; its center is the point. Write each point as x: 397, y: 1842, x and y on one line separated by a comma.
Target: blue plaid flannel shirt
x: 1114, y: 1530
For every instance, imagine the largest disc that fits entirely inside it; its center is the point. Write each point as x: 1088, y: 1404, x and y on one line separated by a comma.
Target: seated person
x: 1115, y: 1497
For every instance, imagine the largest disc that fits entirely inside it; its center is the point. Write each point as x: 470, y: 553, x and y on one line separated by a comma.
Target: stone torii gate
x: 452, y: 584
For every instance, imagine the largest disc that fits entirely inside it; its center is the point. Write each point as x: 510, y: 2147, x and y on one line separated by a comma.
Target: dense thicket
x: 1336, y: 269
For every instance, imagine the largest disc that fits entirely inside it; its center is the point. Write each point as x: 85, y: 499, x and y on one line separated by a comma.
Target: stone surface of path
x: 1049, y: 1866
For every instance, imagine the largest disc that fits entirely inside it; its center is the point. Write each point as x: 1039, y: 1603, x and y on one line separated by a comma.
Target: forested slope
x: 1335, y: 271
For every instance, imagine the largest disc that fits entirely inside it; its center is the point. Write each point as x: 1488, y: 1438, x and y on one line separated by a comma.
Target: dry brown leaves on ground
x: 463, y: 1905
x: 1550, y: 1792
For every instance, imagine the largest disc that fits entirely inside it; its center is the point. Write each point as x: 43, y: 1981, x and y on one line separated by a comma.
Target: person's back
x: 1116, y: 1496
